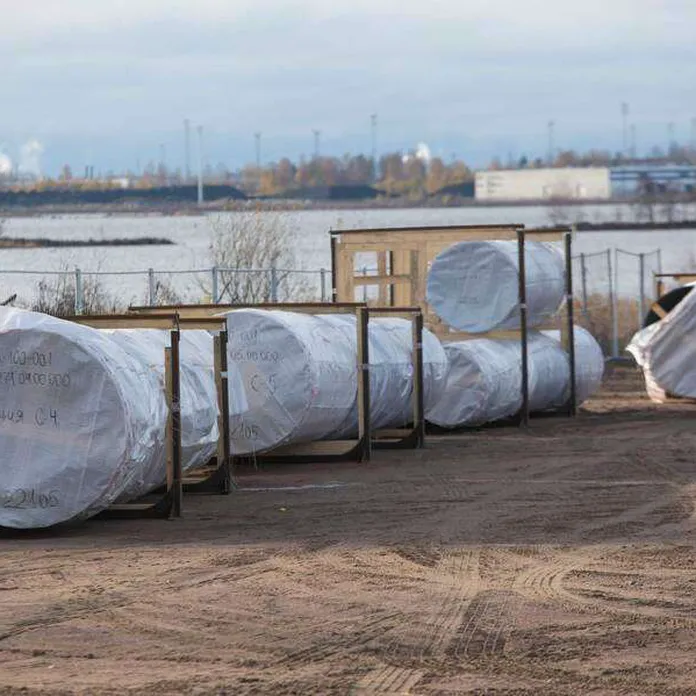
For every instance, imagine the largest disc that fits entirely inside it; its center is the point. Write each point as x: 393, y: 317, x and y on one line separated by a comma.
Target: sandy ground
x: 555, y: 561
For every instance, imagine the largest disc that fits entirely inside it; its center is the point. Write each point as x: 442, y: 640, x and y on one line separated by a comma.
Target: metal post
x: 216, y: 288
x: 641, y: 310
x: 322, y: 274
x: 612, y: 310
x: 616, y: 300
x: 274, y: 284
x: 572, y: 401
x: 152, y: 287
x: 334, y: 270
x: 659, y: 260
x: 417, y: 393
x: 79, y: 292
x: 524, y: 414
x: 364, y: 426
x: 364, y: 292
x: 583, y: 278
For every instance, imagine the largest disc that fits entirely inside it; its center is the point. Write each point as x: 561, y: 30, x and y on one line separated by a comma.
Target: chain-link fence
x: 613, y: 292
x: 80, y: 291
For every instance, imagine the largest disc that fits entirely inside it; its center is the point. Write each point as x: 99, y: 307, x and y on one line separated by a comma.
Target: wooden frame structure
x: 682, y: 277
x: 404, y: 256
x: 358, y: 449
x: 168, y: 503
x: 413, y: 437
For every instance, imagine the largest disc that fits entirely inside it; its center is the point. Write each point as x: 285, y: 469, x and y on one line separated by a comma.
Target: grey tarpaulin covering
x: 299, y: 377
x: 485, y: 378
x: 391, y: 370
x: 80, y: 420
x: 83, y: 415
x: 474, y: 286
x: 666, y: 351
x: 198, y: 394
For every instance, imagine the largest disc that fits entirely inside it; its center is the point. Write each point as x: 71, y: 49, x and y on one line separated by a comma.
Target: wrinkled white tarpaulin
x: 83, y: 415
x: 485, y: 377
x: 666, y: 352
x: 300, y: 376
x: 474, y: 286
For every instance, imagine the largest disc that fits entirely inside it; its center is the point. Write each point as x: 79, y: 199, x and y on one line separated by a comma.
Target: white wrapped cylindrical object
x: 474, y: 286
x: 665, y: 352
x: 81, y: 420
x: 299, y: 376
x: 485, y: 378
x: 589, y: 363
x: 197, y: 394
x: 390, y: 349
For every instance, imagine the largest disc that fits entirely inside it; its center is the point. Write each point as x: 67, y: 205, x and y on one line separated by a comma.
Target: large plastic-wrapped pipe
x: 474, y: 286
x: 81, y: 420
x: 665, y: 352
x: 299, y: 376
x: 390, y: 350
x: 485, y: 378
x: 197, y: 391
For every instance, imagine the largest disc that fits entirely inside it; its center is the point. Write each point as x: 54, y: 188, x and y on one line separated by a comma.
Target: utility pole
x: 200, y: 165
x: 257, y: 143
x: 373, y: 148
x: 634, y: 148
x: 187, y: 150
x: 670, y: 138
x: 624, y: 128
x: 552, y: 145
x: 317, y: 138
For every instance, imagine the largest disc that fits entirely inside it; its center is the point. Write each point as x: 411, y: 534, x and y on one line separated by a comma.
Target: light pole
x: 187, y: 149
x: 373, y: 153
x: 257, y: 139
x: 200, y: 165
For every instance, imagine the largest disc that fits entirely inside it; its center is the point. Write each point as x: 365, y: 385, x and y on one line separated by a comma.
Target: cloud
x: 125, y: 71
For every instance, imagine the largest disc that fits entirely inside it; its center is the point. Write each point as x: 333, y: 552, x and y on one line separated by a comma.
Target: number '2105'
x: 24, y: 499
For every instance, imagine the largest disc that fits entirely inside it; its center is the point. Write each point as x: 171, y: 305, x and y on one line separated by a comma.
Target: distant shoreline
x: 40, y: 243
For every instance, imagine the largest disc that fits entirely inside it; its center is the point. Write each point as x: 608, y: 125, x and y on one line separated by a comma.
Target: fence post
x: 323, y: 283
x: 79, y: 293
x: 364, y: 292
x: 641, y: 258
x: 583, y: 278
x: 274, y: 284
x: 616, y: 301
x: 216, y: 289
x: 152, y: 287
x: 613, y: 310
x: 659, y: 262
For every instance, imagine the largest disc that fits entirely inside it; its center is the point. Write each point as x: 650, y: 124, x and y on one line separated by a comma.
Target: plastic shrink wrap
x: 665, y: 352
x: 197, y: 393
x: 81, y: 420
x: 485, y: 377
x: 390, y: 350
x: 474, y: 286
x: 298, y: 372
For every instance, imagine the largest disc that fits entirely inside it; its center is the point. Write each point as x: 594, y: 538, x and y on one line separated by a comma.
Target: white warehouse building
x: 591, y: 183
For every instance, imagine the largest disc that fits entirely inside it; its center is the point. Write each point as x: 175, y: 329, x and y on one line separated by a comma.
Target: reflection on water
x: 192, y: 236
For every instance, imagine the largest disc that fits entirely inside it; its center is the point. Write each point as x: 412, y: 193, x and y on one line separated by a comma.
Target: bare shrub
x: 164, y: 294
x: 598, y: 319
x: 256, y: 254
x: 57, y: 296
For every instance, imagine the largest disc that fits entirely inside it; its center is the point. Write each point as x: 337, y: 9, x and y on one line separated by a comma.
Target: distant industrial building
x: 584, y: 183
x: 590, y: 183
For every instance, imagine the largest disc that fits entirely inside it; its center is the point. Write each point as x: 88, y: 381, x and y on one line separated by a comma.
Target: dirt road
x: 557, y: 561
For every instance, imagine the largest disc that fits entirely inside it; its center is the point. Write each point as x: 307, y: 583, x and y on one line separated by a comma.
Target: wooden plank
x: 426, y: 229
x: 381, y: 280
x: 126, y: 321
x: 329, y: 448
x: 391, y: 433
x: 657, y: 308
x: 382, y: 272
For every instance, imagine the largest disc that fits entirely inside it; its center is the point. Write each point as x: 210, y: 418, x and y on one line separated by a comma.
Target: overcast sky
x: 109, y: 83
